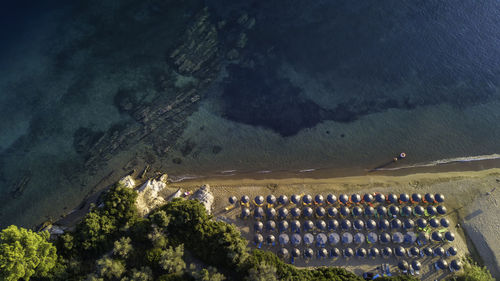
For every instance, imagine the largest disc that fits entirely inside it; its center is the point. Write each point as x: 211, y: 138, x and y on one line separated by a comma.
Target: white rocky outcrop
x: 206, y: 197
x: 127, y: 181
x: 54, y: 230
x: 150, y: 196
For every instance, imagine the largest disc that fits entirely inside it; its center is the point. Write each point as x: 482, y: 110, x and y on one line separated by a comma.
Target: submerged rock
x: 206, y: 197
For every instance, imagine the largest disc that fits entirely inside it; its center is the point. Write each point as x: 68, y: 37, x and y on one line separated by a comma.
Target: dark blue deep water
x: 287, y: 86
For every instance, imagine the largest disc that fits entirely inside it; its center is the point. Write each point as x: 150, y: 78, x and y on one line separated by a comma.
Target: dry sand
x: 466, y: 199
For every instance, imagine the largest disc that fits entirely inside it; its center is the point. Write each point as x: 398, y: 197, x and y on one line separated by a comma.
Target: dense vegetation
x: 179, y: 241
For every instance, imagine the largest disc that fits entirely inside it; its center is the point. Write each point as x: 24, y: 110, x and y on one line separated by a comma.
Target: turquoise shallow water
x: 342, y: 86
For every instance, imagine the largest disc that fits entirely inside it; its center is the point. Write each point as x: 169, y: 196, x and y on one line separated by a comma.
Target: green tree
x: 160, y: 218
x: 94, y: 231
x: 474, y: 272
x: 262, y: 272
x: 109, y: 268
x: 24, y: 253
x: 123, y: 247
x: 206, y: 274
x: 119, y: 202
x: 171, y: 260
x: 144, y: 274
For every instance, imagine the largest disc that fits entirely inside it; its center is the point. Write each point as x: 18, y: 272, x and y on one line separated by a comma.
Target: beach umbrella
x: 333, y: 212
x: 321, y: 225
x: 373, y: 253
x: 428, y: 251
x: 295, y: 226
x: 258, y: 213
x: 308, y: 239
x: 392, y: 198
x: 259, y: 200
x: 321, y: 240
x: 357, y: 211
x: 320, y: 211
x: 334, y: 253
x: 418, y: 211
x: 344, y: 211
x: 232, y: 200
x: 404, y: 197
x: 282, y: 213
x: 449, y: 236
x: 270, y: 239
x: 283, y: 239
x: 386, y: 252
x: 393, y: 211
x: 257, y: 238
x: 295, y: 212
x: 399, y: 251
x: 382, y: 211
x: 270, y: 225
x: 423, y: 238
x: 408, y: 224
x: 396, y: 224
x: 397, y: 237
x: 441, y: 264
x: 307, y: 199
x: 371, y: 224
x: 359, y: 238
x: 403, y: 265
x: 431, y: 210
x: 271, y: 199
x: 358, y: 225
x: 322, y: 253
x: 333, y: 224
x: 271, y: 213
x: 258, y: 226
x: 295, y: 253
x: 331, y: 199
x: 296, y: 239
x: 245, y: 212
x: 345, y: 224
x: 308, y: 253
x: 385, y: 238
x: 444, y: 222
x: 308, y: 225
x: 361, y: 253
x: 455, y: 265
x: 371, y: 237
x: 333, y: 238
x: 383, y: 224
x: 380, y: 198
x: 343, y: 199
x: 245, y: 199
x: 369, y: 211
x: 348, y: 252
x: 429, y: 198
x: 434, y: 223
x: 295, y: 199
x: 452, y: 251
x: 346, y: 238
x: 413, y: 252
x: 308, y: 211
x: 367, y: 198
x: 410, y: 238
x: 283, y: 226
x: 283, y: 200
x: 416, y: 265
x: 441, y: 210
x: 421, y: 222
x: 439, y: 251
x: 318, y: 199
x: 436, y: 236
x: 355, y: 198
x: 283, y: 253
x: 439, y: 198
x: 416, y: 198
x: 406, y: 211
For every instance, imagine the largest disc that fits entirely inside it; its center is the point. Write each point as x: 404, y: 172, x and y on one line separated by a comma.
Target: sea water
x: 340, y: 86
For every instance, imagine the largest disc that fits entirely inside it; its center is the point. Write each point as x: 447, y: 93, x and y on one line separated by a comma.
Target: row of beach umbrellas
x: 347, y: 225
x: 331, y: 199
x: 344, y: 211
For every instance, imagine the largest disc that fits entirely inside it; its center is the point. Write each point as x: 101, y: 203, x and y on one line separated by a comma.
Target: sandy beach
x: 471, y: 198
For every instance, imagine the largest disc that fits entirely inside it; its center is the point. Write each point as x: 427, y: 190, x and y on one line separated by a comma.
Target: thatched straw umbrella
x: 358, y: 225
x: 429, y: 198
x: 283, y: 200
x: 383, y: 224
x: 283, y: 226
x: 380, y: 198
x: 371, y: 224
x: 331, y: 199
x: 318, y: 199
x: 439, y: 198
x: 333, y: 224
x: 367, y: 198
x: 295, y: 199
x: 282, y: 213
x: 332, y: 212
